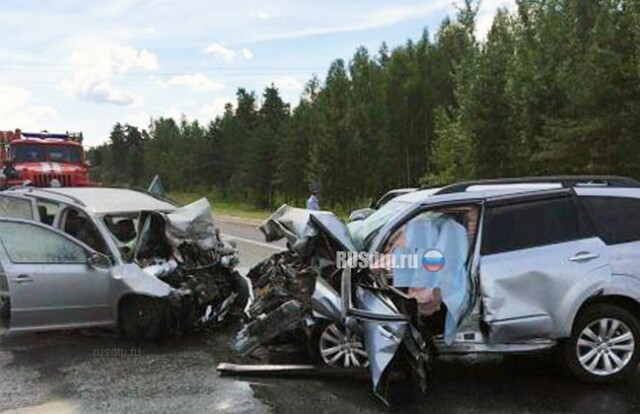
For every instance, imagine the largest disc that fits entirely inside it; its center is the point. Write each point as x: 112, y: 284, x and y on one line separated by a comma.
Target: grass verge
x: 227, y: 208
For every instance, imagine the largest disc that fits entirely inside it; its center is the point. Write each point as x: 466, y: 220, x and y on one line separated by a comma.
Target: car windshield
x: 362, y: 231
x: 51, y: 153
x: 123, y: 230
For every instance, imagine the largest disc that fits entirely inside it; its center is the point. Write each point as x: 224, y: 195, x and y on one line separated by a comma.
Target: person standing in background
x: 312, y: 201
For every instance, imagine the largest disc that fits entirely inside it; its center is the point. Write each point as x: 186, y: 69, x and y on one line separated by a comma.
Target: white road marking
x: 257, y: 243
x: 56, y: 407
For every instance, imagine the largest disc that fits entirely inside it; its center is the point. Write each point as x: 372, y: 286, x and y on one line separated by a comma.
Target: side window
x: 15, y: 207
x: 616, y: 219
x: 28, y: 243
x: 47, y: 211
x: 531, y: 224
x: 77, y: 224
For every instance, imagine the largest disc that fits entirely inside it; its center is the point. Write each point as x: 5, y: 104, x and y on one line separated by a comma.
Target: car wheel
x: 5, y: 311
x: 143, y: 318
x: 604, y: 344
x: 338, y: 346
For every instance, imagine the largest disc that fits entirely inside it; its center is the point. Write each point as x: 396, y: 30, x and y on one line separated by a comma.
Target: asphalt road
x: 95, y: 371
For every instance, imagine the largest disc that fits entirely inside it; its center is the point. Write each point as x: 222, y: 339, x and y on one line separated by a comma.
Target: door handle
x: 583, y: 257
x: 22, y: 279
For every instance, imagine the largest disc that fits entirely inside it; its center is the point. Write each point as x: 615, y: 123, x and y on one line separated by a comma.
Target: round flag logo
x: 433, y: 260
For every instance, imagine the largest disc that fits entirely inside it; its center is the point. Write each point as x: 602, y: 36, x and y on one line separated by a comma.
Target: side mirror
x: 99, y: 261
x: 360, y: 214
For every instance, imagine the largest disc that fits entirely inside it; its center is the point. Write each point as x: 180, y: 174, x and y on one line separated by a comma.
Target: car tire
x: 143, y: 318
x: 5, y: 311
x: 334, y: 345
x: 604, y: 344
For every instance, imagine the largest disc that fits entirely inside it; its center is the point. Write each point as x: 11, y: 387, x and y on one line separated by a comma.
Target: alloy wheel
x: 605, y: 346
x: 340, y: 346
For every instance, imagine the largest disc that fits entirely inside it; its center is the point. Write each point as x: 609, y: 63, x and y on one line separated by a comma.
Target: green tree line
x: 554, y: 88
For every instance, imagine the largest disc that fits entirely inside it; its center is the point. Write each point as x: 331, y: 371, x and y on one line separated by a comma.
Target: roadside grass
x: 228, y: 208
x: 247, y: 210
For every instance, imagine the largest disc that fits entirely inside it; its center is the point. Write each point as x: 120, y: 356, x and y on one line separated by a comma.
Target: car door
x: 16, y: 206
x: 614, y: 213
x: 51, y: 283
x: 540, y: 260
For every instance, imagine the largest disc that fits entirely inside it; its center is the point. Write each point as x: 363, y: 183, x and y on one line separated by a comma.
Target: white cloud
x: 289, y: 85
x: 16, y: 112
x: 365, y: 20
x: 226, y: 54
x: 197, y: 81
x: 173, y: 112
x: 96, y: 68
x: 263, y: 15
x: 13, y: 98
x: 140, y: 120
x: 216, y: 108
x: 486, y: 14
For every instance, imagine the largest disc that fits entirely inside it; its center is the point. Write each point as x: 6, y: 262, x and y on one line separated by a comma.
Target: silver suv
x: 515, y: 271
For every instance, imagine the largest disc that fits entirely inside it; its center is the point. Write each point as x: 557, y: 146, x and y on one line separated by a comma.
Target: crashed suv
x: 500, y: 271
x: 80, y: 257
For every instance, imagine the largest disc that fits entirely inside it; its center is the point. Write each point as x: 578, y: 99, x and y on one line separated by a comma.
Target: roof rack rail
x: 50, y: 191
x: 566, y: 181
x: 156, y: 196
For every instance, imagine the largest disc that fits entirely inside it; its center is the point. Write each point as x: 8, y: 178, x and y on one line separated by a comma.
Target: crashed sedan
x: 84, y: 257
x: 500, y: 271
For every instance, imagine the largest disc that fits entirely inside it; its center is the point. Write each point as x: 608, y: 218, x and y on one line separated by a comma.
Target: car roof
x: 101, y: 200
x: 483, y: 189
x: 524, y: 192
x: 428, y: 196
x: 402, y: 190
x: 608, y: 192
x: 559, y: 180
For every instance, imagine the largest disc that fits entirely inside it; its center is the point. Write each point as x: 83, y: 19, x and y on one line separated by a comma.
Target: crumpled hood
x: 192, y: 223
x: 299, y: 225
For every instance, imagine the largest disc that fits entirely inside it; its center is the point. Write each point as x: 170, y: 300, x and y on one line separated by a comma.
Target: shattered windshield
x: 363, y: 231
x: 123, y: 230
x: 51, y: 153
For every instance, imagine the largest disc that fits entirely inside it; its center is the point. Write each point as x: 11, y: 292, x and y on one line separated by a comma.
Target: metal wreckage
x: 349, y: 318
x: 184, y: 249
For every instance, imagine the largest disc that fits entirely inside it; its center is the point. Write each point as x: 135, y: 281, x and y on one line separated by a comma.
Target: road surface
x: 94, y: 371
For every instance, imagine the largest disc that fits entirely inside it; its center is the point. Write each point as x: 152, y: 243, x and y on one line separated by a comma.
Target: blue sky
x: 84, y: 65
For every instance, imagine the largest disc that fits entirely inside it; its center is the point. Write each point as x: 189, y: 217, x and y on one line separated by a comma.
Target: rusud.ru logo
x: 433, y: 260
x: 365, y: 260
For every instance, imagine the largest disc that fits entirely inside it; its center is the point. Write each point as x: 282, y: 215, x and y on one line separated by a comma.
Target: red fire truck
x: 43, y: 159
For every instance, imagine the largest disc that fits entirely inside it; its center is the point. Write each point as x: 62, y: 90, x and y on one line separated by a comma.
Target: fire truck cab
x: 43, y: 160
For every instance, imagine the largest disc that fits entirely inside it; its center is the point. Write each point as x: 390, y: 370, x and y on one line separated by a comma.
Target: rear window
x: 15, y: 207
x: 531, y: 224
x: 616, y: 219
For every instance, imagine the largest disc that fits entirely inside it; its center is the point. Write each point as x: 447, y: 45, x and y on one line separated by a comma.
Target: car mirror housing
x: 99, y: 261
x: 360, y: 214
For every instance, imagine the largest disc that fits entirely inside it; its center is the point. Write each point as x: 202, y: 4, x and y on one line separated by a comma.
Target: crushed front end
x: 184, y: 249
x: 345, y: 317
